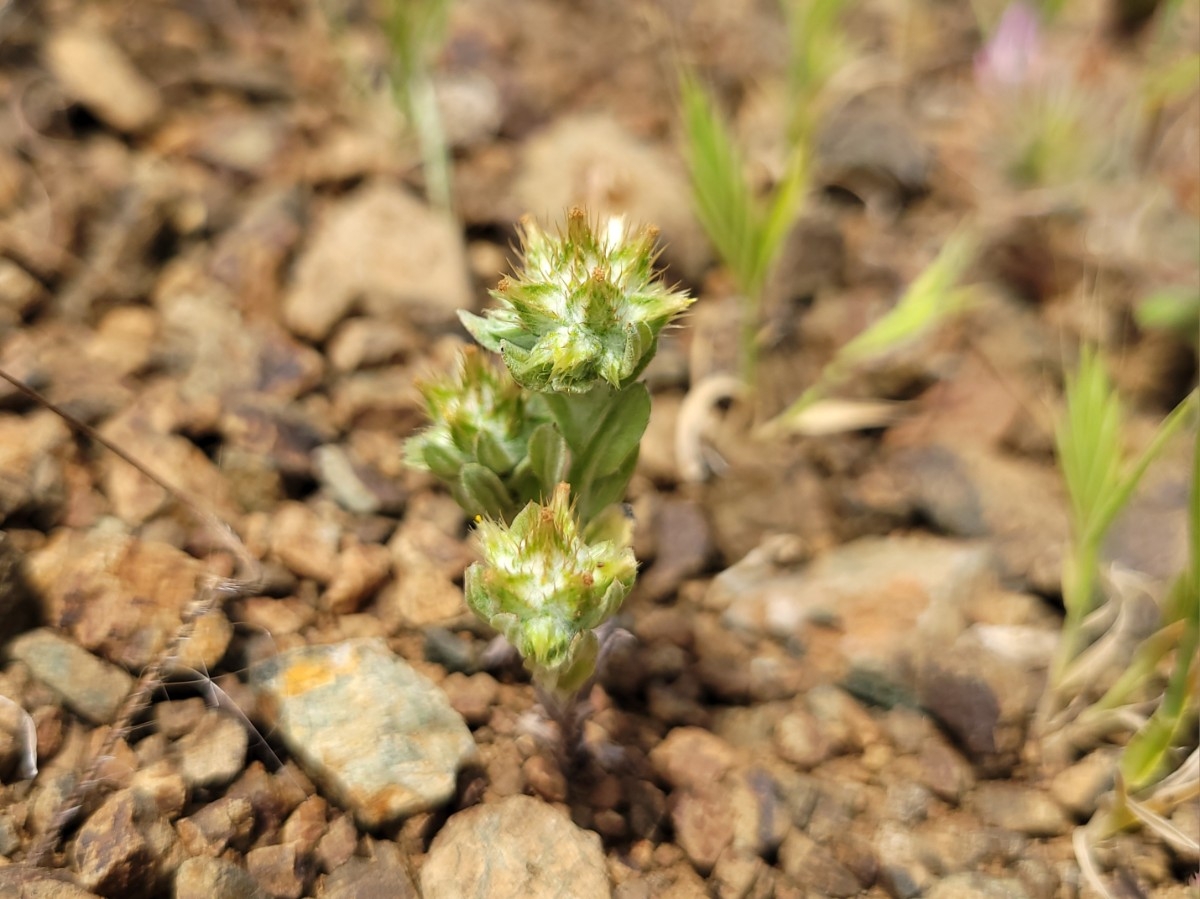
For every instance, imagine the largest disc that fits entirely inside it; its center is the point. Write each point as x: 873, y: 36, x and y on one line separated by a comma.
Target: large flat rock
x: 378, y: 737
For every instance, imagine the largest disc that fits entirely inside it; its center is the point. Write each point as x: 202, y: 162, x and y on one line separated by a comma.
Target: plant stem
x: 603, y: 429
x: 427, y: 120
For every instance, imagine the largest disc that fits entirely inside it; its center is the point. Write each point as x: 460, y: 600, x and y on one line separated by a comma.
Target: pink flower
x: 1012, y: 57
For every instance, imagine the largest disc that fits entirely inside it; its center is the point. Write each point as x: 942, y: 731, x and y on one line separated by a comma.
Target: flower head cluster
x: 544, y: 586
x: 585, y: 307
x: 480, y: 422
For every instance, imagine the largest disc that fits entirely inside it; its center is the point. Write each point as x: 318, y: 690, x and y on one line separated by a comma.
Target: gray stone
x: 408, y: 259
x: 984, y: 700
x: 683, y: 548
x: 875, y: 607
x: 970, y: 491
x: 214, y: 753
x: 1019, y: 808
x: 89, y: 686
x: 204, y: 878
x: 353, y: 486
x: 518, y: 848
x: 376, y: 736
x: 870, y: 148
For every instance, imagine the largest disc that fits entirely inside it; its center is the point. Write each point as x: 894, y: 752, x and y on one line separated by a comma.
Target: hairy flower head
x: 584, y: 307
x: 545, y: 587
x: 480, y: 422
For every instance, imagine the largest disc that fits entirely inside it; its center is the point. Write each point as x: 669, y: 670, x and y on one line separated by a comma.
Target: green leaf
x: 491, y: 452
x: 481, y: 492
x: 620, y: 432
x: 567, y: 679
x: 482, y: 329
x: 548, y: 456
x: 433, y: 455
x: 578, y: 415
x: 613, y: 524
x: 1175, y: 310
x: 606, y: 491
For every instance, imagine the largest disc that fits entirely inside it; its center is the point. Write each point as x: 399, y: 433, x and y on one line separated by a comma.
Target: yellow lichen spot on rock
x: 304, y: 676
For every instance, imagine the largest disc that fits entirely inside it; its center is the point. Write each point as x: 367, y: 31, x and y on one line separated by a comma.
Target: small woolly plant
x: 541, y: 449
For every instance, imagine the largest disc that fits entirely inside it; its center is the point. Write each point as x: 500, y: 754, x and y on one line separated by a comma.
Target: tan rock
x: 361, y: 568
x: 92, y: 69
x: 405, y: 257
x: 305, y: 543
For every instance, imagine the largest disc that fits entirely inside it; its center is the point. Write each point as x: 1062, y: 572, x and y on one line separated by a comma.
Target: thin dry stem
x: 211, y: 594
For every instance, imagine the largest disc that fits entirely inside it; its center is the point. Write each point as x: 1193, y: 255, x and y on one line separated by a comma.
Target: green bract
x: 544, y: 586
x: 585, y: 308
x: 477, y: 441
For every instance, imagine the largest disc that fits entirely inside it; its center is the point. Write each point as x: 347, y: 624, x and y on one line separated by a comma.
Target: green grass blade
x: 932, y: 297
x: 780, y: 213
x: 1194, y: 528
x: 415, y: 30
x: 929, y: 300
x: 1141, y: 667
x: 818, y: 49
x: 1088, y: 440
x: 723, y: 201
x: 1112, y: 501
x: 1148, y: 752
